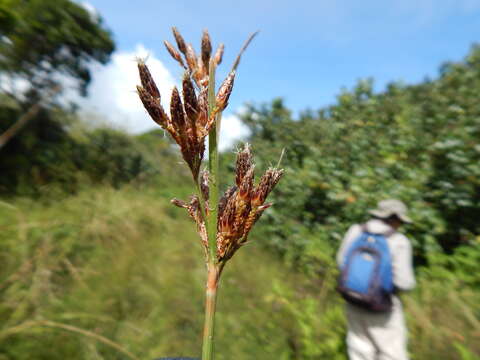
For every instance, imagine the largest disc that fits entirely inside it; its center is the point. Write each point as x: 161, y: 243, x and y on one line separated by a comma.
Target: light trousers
x: 377, y: 336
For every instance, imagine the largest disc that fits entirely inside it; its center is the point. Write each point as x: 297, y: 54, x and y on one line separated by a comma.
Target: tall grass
x: 120, y: 265
x: 444, y: 319
x: 118, y: 274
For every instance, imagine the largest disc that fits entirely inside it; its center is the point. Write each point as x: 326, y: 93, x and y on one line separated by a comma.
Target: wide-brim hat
x: 387, y: 208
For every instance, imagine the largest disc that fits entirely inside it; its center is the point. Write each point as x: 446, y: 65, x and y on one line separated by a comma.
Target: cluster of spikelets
x: 239, y: 208
x: 243, y: 204
x: 189, y: 123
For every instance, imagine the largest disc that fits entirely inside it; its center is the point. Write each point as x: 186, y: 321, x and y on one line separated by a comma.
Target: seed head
x: 177, y: 113
x: 190, y: 99
x: 174, y: 53
x: 202, y: 119
x: 224, y: 199
x: 219, y: 54
x: 180, y: 42
x: 179, y: 203
x: 190, y: 121
x: 206, y: 50
x: 246, y: 186
x: 243, y: 164
x: 252, y: 218
x: 153, y: 107
x: 191, y: 59
x: 147, y: 80
x: 225, y: 91
x: 267, y: 183
x: 242, y: 205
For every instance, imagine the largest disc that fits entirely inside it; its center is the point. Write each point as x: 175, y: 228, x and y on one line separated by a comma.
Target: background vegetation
x: 95, y: 263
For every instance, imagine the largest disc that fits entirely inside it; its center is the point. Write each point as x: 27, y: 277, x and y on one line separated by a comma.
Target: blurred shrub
x: 58, y: 154
x: 416, y: 143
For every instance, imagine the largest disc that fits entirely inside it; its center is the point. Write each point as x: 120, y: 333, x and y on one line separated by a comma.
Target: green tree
x: 43, y: 42
x: 44, y: 38
x: 418, y: 143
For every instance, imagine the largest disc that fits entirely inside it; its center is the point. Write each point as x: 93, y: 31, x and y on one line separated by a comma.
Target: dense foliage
x: 44, y: 43
x: 56, y: 152
x: 418, y: 143
x: 40, y: 39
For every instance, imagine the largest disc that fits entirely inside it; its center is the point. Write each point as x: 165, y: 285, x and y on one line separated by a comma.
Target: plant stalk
x: 210, y: 308
x: 211, y: 223
x: 213, y: 171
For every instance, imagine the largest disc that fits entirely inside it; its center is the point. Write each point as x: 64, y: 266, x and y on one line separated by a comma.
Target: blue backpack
x: 366, y: 277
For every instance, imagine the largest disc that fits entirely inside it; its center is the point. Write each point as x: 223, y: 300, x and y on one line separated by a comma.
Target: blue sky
x: 306, y: 50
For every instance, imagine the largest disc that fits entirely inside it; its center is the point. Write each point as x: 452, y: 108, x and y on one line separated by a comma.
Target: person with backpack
x: 375, y: 262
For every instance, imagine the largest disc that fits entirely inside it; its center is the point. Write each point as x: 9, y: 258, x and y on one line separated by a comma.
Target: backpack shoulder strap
x: 363, y: 227
x: 390, y: 233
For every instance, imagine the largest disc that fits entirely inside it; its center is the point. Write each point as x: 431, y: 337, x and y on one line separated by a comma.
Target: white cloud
x: 231, y: 130
x: 14, y: 85
x: 112, y: 93
x: 112, y: 96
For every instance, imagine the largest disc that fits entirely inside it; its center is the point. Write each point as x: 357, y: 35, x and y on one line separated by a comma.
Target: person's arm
x: 351, y: 234
x: 403, y: 275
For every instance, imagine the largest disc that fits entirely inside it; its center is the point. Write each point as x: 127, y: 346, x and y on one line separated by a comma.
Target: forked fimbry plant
x: 223, y: 223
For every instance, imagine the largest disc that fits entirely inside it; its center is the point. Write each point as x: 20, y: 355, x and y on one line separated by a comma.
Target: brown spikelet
x: 242, y: 203
x: 179, y: 203
x: 180, y: 42
x: 226, y: 236
x: 222, y: 242
x: 267, y: 183
x: 249, y: 222
x: 190, y: 99
x: 194, y: 209
x: 224, y: 199
x: 252, y: 218
x: 221, y: 100
x: 242, y: 209
x: 203, y: 111
x: 178, y: 121
x: 191, y: 59
x: 228, y: 215
x: 243, y: 164
x: 176, y: 111
x: 147, y: 80
x: 153, y: 107
x: 206, y: 50
x: 246, y: 185
x: 224, y: 92
x: 201, y: 74
x: 219, y: 54
x: 174, y: 53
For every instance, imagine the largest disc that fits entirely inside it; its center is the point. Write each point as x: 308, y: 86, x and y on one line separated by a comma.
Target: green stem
x: 211, y: 223
x: 210, y: 307
x: 213, y: 172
